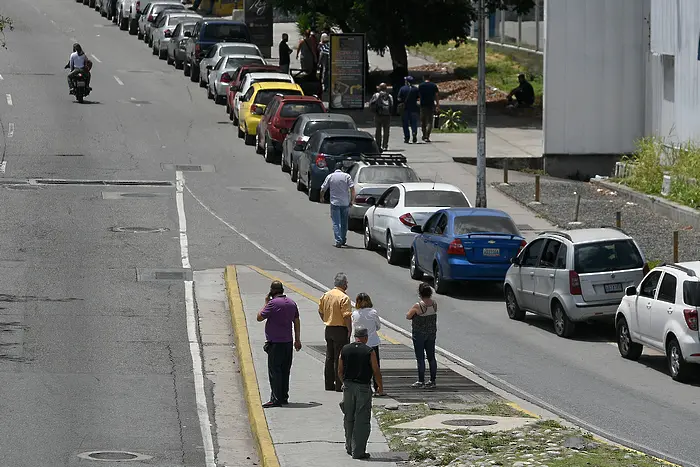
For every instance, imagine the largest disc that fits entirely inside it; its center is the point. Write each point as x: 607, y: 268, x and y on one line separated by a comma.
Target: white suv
x: 663, y: 314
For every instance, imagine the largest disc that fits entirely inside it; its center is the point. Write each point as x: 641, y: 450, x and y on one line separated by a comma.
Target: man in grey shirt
x: 342, y: 190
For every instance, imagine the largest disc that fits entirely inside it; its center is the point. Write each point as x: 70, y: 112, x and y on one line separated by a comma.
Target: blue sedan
x: 465, y: 244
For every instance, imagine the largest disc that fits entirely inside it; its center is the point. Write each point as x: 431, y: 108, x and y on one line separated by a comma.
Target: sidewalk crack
x: 177, y: 402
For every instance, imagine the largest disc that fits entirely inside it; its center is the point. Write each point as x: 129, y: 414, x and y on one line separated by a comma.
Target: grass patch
x: 502, y: 65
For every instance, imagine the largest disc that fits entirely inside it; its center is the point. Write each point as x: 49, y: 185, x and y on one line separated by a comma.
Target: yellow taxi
x: 254, y: 102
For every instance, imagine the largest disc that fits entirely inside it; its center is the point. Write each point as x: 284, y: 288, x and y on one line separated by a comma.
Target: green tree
x: 5, y: 24
x: 394, y: 25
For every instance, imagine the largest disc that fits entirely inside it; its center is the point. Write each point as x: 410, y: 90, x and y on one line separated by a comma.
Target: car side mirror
x: 300, y: 146
x: 515, y: 260
x: 209, y: 67
x: 371, y: 201
x: 168, y: 34
x: 187, y: 34
x: 631, y: 291
x: 417, y: 229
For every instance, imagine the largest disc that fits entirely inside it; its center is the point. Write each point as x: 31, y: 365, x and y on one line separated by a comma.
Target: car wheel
x: 439, y: 283
x: 369, y: 242
x: 628, y: 349
x: 186, y: 70
x: 123, y: 25
x: 258, y: 149
x: 133, y: 27
x: 392, y: 255
x: 202, y: 83
x: 235, y: 119
x: 270, y: 154
x: 219, y: 100
x: 284, y: 166
x: 249, y: 140
x: 139, y: 36
x: 194, y: 73
x: 314, y: 194
x: 228, y: 109
x: 168, y: 60
x: 210, y: 95
x: 512, y: 307
x: 295, y: 172
x: 677, y: 366
x: 563, y: 326
x: 178, y: 64
x: 413, y: 269
x: 240, y: 133
x: 300, y: 184
x: 154, y: 50
x: 162, y: 54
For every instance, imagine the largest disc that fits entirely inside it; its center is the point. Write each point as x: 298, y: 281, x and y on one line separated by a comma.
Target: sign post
x: 347, y: 72
x: 258, y: 18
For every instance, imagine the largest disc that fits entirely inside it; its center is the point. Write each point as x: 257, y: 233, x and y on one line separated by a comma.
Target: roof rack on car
x: 688, y: 271
x: 384, y: 158
x: 556, y: 232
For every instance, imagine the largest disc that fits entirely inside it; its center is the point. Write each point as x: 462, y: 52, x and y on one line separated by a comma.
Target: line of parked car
x: 567, y: 276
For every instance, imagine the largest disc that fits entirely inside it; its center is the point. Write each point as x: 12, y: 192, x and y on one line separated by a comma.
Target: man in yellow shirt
x: 335, y: 311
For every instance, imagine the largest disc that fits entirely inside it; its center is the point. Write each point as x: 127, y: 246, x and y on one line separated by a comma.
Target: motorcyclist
x: 77, y: 63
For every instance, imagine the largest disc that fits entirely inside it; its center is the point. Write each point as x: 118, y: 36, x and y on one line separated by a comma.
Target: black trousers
x: 336, y: 338
x: 279, y: 366
x: 374, y: 381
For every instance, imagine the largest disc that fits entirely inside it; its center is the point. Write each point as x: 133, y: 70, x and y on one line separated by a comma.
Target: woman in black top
x: 423, y: 316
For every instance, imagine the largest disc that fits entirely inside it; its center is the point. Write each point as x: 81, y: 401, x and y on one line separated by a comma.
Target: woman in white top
x: 367, y: 317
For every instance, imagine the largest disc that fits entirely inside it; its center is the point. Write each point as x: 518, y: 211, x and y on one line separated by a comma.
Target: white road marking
x: 192, y: 331
x: 73, y: 39
x: 36, y: 8
x: 96, y: 59
x: 3, y: 165
x: 10, y: 130
x: 1, y: 78
x: 9, y: 99
x: 493, y: 379
x: 116, y: 78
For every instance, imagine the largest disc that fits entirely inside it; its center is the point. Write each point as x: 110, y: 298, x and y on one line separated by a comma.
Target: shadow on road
x: 603, y: 331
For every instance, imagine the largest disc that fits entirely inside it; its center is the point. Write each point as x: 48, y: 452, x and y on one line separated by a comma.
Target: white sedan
x: 389, y: 220
x: 221, y: 75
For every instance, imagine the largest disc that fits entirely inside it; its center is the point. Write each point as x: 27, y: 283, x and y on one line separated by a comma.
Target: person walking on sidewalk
x: 423, y: 316
x: 408, y: 108
x: 279, y: 312
x: 342, y: 190
x: 357, y: 365
x: 428, y: 94
x: 365, y: 316
x: 284, y: 52
x: 335, y: 311
x: 381, y: 104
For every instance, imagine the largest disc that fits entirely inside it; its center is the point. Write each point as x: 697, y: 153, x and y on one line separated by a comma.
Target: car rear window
x: 349, y: 145
x: 436, y: 198
x: 239, y: 62
x: 265, y: 96
x: 175, y: 20
x: 387, y: 174
x: 691, y: 293
x: 171, y: 6
x: 612, y: 255
x: 225, y: 31
x: 493, y: 224
x: 188, y: 27
x: 313, y: 126
x: 237, y: 49
x: 294, y: 109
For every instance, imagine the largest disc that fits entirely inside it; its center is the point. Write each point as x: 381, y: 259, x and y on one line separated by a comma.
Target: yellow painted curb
x: 256, y: 415
x: 517, y: 407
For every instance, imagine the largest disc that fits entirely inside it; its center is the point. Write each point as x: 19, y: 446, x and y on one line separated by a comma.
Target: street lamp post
x: 481, y: 111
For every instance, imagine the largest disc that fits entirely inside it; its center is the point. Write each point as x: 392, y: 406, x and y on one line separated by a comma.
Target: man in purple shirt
x: 279, y: 313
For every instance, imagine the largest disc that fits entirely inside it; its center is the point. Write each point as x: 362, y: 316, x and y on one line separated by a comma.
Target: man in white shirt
x: 342, y: 190
x: 78, y: 63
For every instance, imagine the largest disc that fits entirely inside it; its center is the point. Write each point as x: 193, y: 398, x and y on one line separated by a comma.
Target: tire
x: 294, y: 173
x: 628, y: 349
x: 139, y: 36
x: 416, y: 273
x: 209, y: 93
x: 270, y: 153
x: 314, y: 195
x: 300, y: 184
x: 178, y: 64
x: 240, y: 133
x: 563, y: 326
x: 202, y: 83
x: 441, y: 286
x: 249, y: 140
x: 186, y: 69
x: 370, y: 244
x: 680, y: 369
x: 162, y: 54
x: 154, y: 51
x: 133, y: 27
x: 79, y: 96
x: 393, y: 257
x: 168, y: 60
x: 123, y: 24
x: 258, y: 149
x: 283, y: 165
x: 194, y: 73
x: 85, y: 2
x: 113, y: 19
x: 512, y: 307
x: 235, y: 119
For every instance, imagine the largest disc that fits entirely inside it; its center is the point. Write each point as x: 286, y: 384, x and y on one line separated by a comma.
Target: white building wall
x: 664, y: 31
x: 687, y: 72
x: 595, y: 63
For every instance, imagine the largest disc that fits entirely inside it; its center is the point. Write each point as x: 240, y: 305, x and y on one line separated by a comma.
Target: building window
x: 669, y: 65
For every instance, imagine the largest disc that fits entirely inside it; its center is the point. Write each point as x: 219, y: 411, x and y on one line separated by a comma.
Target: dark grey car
x: 301, y: 131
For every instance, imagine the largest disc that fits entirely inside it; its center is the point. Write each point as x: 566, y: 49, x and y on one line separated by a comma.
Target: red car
x: 278, y: 119
x: 237, y: 80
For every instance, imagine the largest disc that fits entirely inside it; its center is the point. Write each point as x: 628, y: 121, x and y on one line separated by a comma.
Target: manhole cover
x: 114, y: 456
x: 139, y: 229
x: 469, y: 422
x: 257, y: 188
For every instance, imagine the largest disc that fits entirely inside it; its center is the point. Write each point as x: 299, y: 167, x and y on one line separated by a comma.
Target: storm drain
x: 257, y: 188
x: 188, y: 168
x: 147, y: 275
x: 114, y: 456
x: 139, y: 229
x: 59, y: 181
x: 121, y: 195
x: 386, y: 351
x: 451, y: 387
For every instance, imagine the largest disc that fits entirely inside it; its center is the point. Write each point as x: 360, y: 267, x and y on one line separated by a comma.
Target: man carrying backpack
x: 381, y: 104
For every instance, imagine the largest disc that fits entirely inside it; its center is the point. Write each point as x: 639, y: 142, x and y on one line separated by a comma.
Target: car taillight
x: 574, y: 283
x: 138, y: 7
x: 407, y: 219
x: 361, y: 199
x: 321, y: 161
x: 225, y: 78
x: 523, y: 244
x: 455, y: 248
x: 253, y: 108
x: 197, y: 50
x: 645, y: 269
x: 150, y: 18
x: 691, y: 319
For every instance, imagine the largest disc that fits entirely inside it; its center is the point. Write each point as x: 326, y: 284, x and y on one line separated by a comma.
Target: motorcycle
x: 80, y: 89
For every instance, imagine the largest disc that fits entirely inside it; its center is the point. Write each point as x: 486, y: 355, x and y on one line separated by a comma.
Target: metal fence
x: 526, y: 32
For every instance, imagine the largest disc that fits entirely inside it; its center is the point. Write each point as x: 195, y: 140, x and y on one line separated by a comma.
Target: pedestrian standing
x: 279, y: 314
x: 285, y: 52
x: 428, y: 94
x: 365, y: 316
x: 324, y: 58
x: 381, y: 104
x: 307, y: 50
x: 342, y: 192
x: 408, y: 108
x: 423, y: 316
x: 335, y: 310
x: 356, y: 366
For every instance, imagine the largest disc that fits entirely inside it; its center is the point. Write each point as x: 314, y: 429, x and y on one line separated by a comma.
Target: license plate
x: 492, y: 252
x: 80, y: 84
x: 612, y: 288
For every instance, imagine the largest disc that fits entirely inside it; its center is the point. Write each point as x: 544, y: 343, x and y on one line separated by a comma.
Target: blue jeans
x: 409, y: 118
x: 339, y: 216
x: 424, y: 346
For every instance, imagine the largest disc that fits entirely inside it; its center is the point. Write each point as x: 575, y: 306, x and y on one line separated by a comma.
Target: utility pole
x: 481, y: 111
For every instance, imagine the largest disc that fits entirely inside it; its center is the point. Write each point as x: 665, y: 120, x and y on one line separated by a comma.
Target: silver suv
x: 572, y: 276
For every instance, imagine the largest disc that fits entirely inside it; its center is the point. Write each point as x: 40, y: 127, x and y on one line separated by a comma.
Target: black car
x: 208, y: 32
x: 324, y: 150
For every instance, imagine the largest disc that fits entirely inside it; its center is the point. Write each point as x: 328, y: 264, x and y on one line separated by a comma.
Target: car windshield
x: 313, y: 126
x: 294, y: 109
x: 349, y: 145
x: 612, y: 255
x: 387, y: 174
x: 265, y: 96
x: 238, y: 49
x: 475, y: 224
x: 436, y: 198
x: 224, y: 31
x: 237, y: 62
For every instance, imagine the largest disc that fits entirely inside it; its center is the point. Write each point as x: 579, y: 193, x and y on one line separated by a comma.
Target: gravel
x: 598, y: 207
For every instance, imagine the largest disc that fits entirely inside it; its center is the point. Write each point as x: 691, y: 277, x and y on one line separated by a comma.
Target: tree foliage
x: 5, y: 24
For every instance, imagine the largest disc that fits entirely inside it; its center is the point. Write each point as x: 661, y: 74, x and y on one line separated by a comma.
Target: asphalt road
x: 111, y: 368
